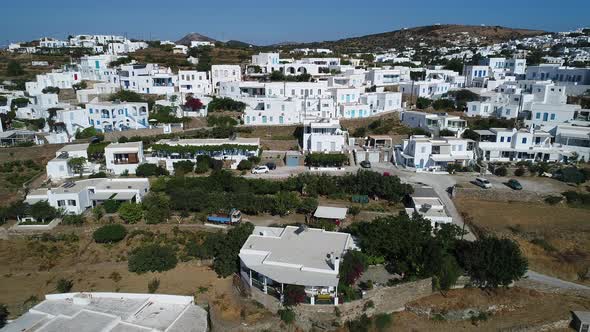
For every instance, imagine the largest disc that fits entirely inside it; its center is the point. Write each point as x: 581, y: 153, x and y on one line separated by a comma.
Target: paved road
x: 554, y: 282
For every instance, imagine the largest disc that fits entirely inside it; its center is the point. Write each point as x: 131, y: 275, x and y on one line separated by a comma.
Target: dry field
x: 555, y: 239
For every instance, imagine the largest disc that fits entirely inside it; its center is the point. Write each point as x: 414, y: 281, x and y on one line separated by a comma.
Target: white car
x: 260, y: 170
x: 484, y: 183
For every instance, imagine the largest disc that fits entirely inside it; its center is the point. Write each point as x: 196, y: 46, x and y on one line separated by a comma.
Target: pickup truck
x: 233, y: 217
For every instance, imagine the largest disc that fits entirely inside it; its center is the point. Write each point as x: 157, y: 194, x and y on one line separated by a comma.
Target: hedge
x: 201, y: 149
x: 325, y: 159
x: 110, y: 233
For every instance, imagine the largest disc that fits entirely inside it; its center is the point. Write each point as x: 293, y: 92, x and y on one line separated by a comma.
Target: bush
x: 244, y: 165
x: 362, y: 324
x: 422, y: 103
x: 110, y: 233
x: 111, y: 206
x: 553, y: 200
x: 519, y: 171
x: 97, y: 175
x: 152, y: 258
x: 153, y: 285
x: 157, y: 208
x: 446, y: 133
x: 441, y: 104
x: 146, y: 170
x: 325, y: 159
x: 286, y: 315
x: 64, y: 285
x: 294, y: 294
x: 500, y: 171
x: 577, y: 199
x: 383, y: 321
x: 73, y: 219
x: 42, y: 211
x: 3, y: 315
x: 183, y: 167
x: 130, y: 212
x: 225, y: 104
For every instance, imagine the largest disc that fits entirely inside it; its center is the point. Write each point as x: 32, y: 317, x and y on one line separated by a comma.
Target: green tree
x: 42, y: 211
x: 308, y: 205
x: 423, y: 103
x: 152, y: 258
x: 156, y: 207
x: 226, y: 260
x: 493, y: 262
x: 14, y: 68
x: 77, y: 165
x: 285, y: 202
x: 447, y: 274
x: 130, y: 212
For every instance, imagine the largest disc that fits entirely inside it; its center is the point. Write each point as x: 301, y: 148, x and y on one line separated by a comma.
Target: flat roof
x: 74, y: 147
x: 424, y: 192
x: 330, y: 212
x: 136, y: 145
x: 112, y: 312
x: 295, y: 255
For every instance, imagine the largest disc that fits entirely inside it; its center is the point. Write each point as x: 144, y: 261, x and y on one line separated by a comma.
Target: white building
x: 324, y: 135
x: 111, y: 312
x: 115, y: 116
x: 196, y: 82
x: 426, y: 202
x: 434, y: 154
x: 76, y: 197
x: 199, y: 43
x: 62, y: 80
x: 434, y: 122
x: 123, y: 157
x: 427, y: 89
x: 512, y: 145
x: 146, y: 78
x: 273, y: 257
x: 387, y: 76
x: 170, y: 151
x: 58, y: 168
x: 225, y: 73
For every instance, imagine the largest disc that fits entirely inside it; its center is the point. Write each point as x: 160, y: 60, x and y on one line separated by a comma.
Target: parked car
x: 514, y: 184
x: 482, y: 182
x: 260, y: 169
x: 271, y: 166
x: 365, y: 164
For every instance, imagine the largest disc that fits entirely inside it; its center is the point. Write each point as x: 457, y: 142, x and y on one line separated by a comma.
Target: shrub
x: 325, y: 159
x: 152, y: 258
x: 110, y: 233
x: 97, y: 175
x: 361, y: 324
x: 157, y: 208
x: 383, y: 321
x: 519, y: 171
x: 111, y: 206
x: 422, y: 103
x: 244, y: 165
x: 71, y: 219
x: 287, y: 315
x: 3, y: 315
x: 42, y: 211
x: 553, y: 200
x: 146, y: 170
x: 354, y: 210
x: 441, y: 104
x: 500, y: 171
x: 64, y: 285
x: 153, y: 285
x: 446, y: 133
x: 183, y: 167
x: 225, y: 104
x: 98, y: 212
x: 294, y: 294
x: 544, y: 244
x: 131, y: 213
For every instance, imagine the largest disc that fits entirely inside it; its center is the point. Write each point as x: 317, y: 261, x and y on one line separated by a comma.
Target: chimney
x: 336, y: 263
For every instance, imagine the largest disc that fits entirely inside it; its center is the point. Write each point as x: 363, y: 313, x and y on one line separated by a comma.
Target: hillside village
x: 432, y: 178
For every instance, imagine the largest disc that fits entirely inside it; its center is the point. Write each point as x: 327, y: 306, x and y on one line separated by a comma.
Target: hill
x: 186, y: 40
x: 434, y: 35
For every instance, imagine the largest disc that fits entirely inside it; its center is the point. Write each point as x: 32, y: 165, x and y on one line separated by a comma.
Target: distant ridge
x: 433, y: 35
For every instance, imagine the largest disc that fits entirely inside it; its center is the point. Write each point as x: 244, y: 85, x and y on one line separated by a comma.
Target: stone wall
x: 115, y: 135
x: 498, y: 195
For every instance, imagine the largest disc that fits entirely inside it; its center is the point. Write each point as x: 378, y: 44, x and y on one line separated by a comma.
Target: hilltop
x: 193, y: 36
x: 433, y: 35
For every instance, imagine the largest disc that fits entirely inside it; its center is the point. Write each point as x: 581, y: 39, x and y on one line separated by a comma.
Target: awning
x: 125, y: 196
x: 329, y: 212
x: 444, y: 158
x: 102, y: 196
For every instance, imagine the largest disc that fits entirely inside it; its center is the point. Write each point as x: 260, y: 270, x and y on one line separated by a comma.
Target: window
x: 71, y: 202
x: 502, y: 139
x: 552, y: 116
x: 508, y: 139
x: 61, y: 202
x: 538, y: 116
x: 524, y: 140
x: 423, y: 149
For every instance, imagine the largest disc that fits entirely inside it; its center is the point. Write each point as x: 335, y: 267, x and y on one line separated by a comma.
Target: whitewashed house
x: 114, y: 116
x: 58, y: 168
x: 274, y: 257
x: 434, y: 122
x: 124, y: 158
x: 196, y: 82
x: 76, y: 197
x: 434, y: 154
x: 324, y: 135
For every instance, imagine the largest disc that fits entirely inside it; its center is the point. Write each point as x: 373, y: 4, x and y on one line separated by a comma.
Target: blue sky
x: 264, y: 22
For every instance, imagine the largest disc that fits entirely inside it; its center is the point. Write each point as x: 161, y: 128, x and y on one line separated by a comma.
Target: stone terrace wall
x: 498, y: 195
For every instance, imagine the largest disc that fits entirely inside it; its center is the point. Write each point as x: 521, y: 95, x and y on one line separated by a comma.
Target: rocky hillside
x: 434, y: 35
x: 186, y: 40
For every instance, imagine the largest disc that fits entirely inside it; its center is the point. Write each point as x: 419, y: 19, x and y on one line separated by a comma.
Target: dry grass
x: 555, y: 239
